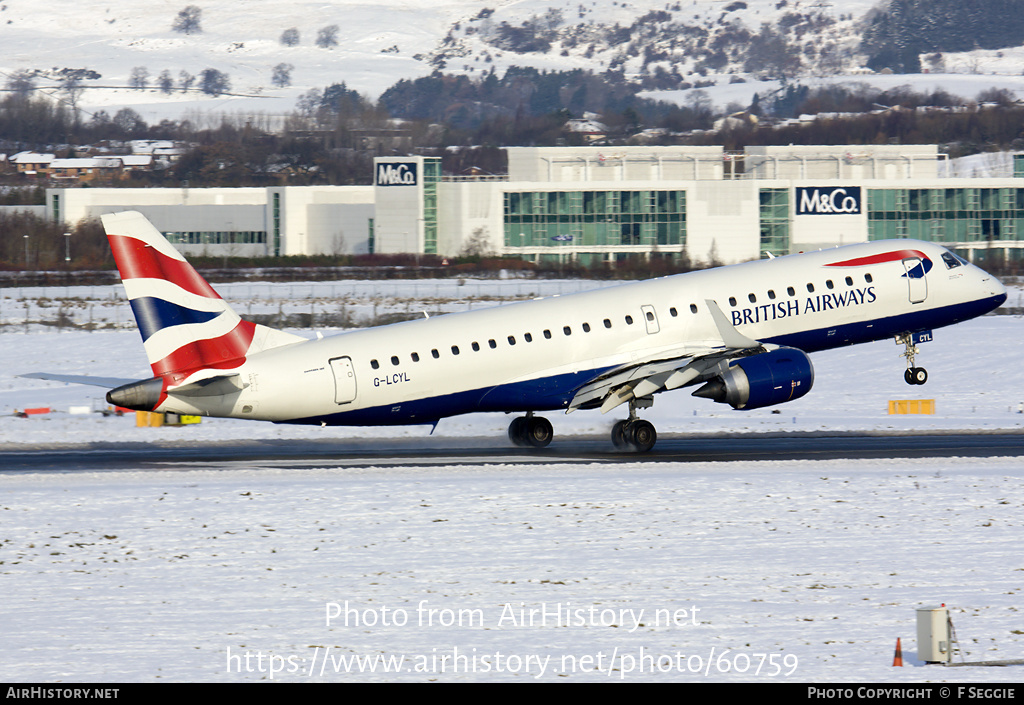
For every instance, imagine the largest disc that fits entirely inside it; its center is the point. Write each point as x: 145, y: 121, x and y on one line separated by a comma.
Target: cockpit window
x: 951, y: 260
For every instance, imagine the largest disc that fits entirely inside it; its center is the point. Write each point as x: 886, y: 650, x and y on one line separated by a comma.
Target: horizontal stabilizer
x: 105, y: 382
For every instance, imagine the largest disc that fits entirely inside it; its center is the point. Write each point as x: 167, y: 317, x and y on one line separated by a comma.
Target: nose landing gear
x: 913, y: 375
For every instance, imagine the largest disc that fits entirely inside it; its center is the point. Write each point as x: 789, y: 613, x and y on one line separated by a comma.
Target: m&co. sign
x: 830, y: 200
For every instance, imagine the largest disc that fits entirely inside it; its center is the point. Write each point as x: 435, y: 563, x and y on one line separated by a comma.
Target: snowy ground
x: 753, y: 571
x: 803, y: 571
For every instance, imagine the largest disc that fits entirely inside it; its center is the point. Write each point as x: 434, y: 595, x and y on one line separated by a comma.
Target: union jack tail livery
x: 186, y: 326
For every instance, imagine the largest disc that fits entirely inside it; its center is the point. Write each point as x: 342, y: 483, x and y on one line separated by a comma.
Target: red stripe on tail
x: 137, y: 260
x: 224, y: 352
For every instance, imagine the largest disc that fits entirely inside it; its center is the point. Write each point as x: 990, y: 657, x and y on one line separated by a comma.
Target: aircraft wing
x: 107, y: 382
x: 667, y: 369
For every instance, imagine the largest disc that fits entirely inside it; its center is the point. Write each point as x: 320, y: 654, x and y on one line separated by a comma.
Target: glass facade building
x: 592, y: 222
x: 962, y: 218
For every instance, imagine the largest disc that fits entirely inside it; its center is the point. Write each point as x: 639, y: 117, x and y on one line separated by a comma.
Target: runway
x: 440, y: 451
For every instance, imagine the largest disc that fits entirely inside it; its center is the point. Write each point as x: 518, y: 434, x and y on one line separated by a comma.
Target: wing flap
x: 668, y: 369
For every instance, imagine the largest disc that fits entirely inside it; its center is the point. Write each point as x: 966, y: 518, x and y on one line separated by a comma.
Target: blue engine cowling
x: 762, y: 380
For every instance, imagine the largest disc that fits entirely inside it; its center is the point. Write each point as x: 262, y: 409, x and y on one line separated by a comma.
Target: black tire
x: 642, y: 435
x: 920, y: 375
x: 539, y: 432
x: 619, y: 434
x: 517, y: 431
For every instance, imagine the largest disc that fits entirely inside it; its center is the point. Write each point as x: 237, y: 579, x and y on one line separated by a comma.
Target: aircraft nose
x: 998, y: 290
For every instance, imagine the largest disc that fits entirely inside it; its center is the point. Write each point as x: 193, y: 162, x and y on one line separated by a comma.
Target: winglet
x: 730, y: 336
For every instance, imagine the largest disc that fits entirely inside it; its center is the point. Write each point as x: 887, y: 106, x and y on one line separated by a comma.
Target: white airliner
x: 741, y: 332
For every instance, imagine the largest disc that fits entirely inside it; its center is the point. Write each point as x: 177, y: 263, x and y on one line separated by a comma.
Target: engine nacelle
x: 143, y: 395
x: 762, y: 380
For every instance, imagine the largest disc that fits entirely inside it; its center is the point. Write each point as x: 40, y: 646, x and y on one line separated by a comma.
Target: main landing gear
x: 635, y: 434
x: 913, y: 375
x: 530, y: 431
x: 632, y: 434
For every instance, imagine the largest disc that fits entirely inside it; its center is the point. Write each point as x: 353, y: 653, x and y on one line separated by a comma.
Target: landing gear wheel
x: 539, y: 432
x: 619, y: 434
x: 916, y: 375
x: 517, y: 431
x: 642, y: 435
x: 636, y: 435
x: 530, y: 431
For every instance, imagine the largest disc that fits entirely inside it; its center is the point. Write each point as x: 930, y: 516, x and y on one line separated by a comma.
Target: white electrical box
x: 933, y: 638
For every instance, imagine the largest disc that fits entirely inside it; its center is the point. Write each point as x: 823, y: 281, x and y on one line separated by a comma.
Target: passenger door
x: 916, y: 279
x: 344, y: 380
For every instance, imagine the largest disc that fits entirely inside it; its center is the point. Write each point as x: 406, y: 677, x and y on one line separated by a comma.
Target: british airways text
x: 812, y: 304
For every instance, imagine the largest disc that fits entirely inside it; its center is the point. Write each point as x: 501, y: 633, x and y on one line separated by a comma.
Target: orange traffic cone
x: 898, y: 658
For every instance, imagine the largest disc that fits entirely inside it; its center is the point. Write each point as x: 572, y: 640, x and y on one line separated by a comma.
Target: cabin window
x: 547, y: 334
x: 435, y: 354
x: 771, y: 294
x: 650, y: 316
x: 586, y: 327
x: 567, y: 330
x: 374, y: 364
x: 528, y: 337
x: 607, y: 323
x: 829, y: 284
x: 849, y: 281
x: 868, y: 279
x: 511, y: 340
x: 732, y: 300
x: 751, y: 298
x: 810, y: 288
x: 672, y: 312
x: 629, y: 320
x: 455, y: 350
x: 476, y: 346
x: 693, y: 308
x: 492, y: 344
x: 791, y: 291
x: 415, y: 357
x: 394, y: 360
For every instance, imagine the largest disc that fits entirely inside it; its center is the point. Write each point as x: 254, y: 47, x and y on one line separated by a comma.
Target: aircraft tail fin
x: 185, y: 324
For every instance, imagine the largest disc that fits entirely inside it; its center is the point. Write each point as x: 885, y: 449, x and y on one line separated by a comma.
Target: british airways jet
x: 742, y: 333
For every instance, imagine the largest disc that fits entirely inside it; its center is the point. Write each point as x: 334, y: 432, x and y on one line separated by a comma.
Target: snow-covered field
x: 769, y: 571
x: 753, y: 571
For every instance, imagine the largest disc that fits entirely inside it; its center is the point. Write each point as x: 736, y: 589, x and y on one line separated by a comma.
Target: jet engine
x: 139, y: 396
x: 762, y: 380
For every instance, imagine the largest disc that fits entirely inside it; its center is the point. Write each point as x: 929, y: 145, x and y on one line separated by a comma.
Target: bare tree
x: 282, y: 75
x: 478, y: 245
x: 214, y: 82
x: 165, y: 82
x: 327, y: 37
x: 186, y: 80
x: 188, y: 20
x: 72, y: 88
x: 21, y: 83
x: 290, y: 37
x: 139, y: 78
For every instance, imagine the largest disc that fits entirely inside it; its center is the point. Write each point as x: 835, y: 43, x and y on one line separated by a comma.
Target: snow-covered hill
x: 370, y: 45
